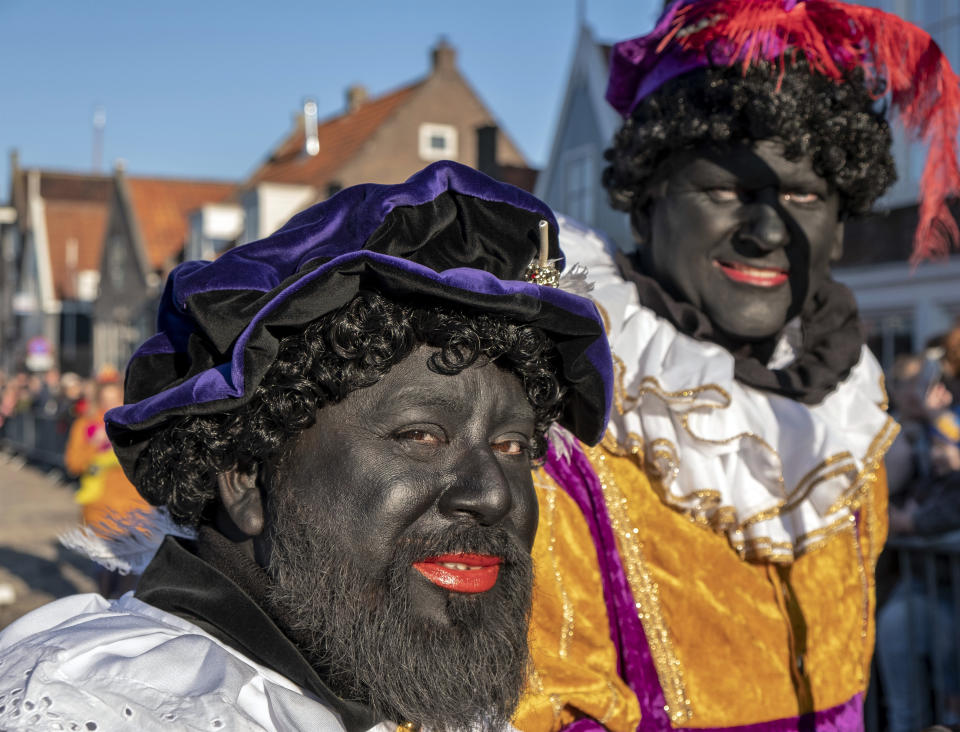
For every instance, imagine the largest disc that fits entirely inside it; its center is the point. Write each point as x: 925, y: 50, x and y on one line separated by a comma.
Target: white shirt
x: 87, y: 664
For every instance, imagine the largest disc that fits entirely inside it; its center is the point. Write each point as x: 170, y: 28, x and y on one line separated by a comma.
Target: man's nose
x: 480, y: 489
x: 764, y: 226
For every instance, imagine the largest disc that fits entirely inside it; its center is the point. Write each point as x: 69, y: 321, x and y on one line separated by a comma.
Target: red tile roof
x: 161, y: 208
x: 75, y: 230
x: 75, y: 213
x: 340, y: 138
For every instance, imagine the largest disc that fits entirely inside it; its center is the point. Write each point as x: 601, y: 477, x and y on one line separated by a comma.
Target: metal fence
x: 40, y: 439
x: 918, y: 637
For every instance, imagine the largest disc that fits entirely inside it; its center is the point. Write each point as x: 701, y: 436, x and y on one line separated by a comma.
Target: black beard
x: 361, y: 635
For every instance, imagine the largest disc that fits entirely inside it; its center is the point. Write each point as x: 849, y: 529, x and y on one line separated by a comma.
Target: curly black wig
x: 838, y: 124
x: 345, y: 350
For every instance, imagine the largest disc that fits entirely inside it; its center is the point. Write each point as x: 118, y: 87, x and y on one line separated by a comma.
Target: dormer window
x: 438, y: 142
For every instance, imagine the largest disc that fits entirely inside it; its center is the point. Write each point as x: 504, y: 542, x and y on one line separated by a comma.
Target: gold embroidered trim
x: 604, y: 316
x: 864, y: 668
x: 685, y: 423
x: 651, y: 385
x: 619, y: 392
x: 612, y: 706
x: 663, y: 464
x: 567, y: 623
x: 632, y: 445
x: 537, y: 687
x: 645, y: 592
x: 804, y: 488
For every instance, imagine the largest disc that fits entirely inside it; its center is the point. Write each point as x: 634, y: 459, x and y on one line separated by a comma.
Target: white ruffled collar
x: 777, y: 476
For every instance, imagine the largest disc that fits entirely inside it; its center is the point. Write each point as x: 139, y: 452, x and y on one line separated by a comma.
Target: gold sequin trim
x: 645, y: 592
x: 538, y: 689
x: 612, y: 706
x: 604, y: 316
x: 567, y: 622
x: 663, y: 464
x: 864, y: 669
x: 651, y: 385
x: 803, y: 490
x: 630, y: 445
x: 685, y: 423
x: 619, y: 392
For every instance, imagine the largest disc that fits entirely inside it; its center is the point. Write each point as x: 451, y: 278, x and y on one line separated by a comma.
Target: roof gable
x: 590, y: 66
x: 340, y: 138
x: 75, y: 208
x: 161, y: 208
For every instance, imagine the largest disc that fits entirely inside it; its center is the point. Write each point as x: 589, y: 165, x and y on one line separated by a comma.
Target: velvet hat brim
x: 448, y: 235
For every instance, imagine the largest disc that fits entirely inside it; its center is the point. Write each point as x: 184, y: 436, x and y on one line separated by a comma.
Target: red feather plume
x: 835, y: 37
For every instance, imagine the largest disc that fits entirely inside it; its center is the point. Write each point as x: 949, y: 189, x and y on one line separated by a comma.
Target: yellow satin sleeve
x: 574, y: 661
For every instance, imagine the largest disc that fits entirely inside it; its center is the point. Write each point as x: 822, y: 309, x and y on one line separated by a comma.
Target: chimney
x: 443, y: 57
x: 311, y: 142
x: 487, y: 150
x: 356, y: 95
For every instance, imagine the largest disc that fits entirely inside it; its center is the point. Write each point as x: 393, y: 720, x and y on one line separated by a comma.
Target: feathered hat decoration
x: 834, y: 37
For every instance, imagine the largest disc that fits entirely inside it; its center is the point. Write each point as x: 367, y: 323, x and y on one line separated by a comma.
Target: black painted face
x: 422, y: 454
x: 746, y: 235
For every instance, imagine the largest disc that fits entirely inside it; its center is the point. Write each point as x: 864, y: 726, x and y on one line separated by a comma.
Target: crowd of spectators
x: 50, y: 395
x: 57, y: 420
x: 916, y: 648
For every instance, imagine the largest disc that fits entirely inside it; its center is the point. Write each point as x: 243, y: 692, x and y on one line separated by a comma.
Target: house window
x: 437, y: 142
x: 578, y: 185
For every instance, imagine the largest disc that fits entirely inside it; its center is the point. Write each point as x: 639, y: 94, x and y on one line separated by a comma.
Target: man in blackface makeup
x: 345, y: 414
x: 710, y: 564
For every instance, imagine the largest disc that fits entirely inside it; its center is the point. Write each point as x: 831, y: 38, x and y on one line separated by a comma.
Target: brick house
x: 382, y: 139
x: 83, y: 260
x: 51, y: 234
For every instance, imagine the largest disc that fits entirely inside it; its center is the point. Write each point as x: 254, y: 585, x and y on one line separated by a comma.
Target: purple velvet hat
x: 447, y: 234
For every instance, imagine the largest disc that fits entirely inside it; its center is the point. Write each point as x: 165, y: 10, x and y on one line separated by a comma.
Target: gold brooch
x: 542, y: 271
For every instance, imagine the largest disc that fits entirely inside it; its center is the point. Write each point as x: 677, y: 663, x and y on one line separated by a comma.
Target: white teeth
x: 769, y: 274
x: 456, y: 565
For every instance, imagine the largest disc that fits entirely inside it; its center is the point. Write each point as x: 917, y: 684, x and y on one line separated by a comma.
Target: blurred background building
x: 84, y: 257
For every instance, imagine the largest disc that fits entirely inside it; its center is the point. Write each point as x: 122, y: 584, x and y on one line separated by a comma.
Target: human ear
x: 241, y: 499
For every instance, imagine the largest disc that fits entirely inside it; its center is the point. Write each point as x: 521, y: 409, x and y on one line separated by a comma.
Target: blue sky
x: 203, y: 88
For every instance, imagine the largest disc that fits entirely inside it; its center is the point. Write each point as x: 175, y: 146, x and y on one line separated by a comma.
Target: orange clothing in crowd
x: 107, y: 497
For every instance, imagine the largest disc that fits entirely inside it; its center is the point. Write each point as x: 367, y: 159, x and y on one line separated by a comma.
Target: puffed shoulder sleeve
x: 574, y: 683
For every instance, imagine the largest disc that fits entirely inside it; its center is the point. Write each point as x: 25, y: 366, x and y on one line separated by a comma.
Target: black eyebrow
x: 413, y: 395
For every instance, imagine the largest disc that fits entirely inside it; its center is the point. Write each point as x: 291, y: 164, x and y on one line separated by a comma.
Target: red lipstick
x: 758, y: 276
x: 461, y: 572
